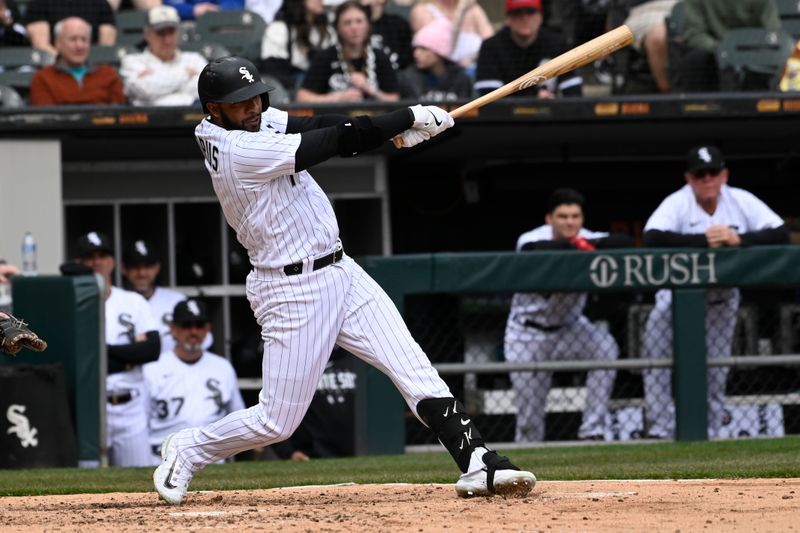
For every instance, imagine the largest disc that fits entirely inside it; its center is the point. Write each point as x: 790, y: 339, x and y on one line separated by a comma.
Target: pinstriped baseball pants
x: 301, y: 318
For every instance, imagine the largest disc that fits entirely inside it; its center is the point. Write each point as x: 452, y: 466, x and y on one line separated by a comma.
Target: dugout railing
x: 762, y: 370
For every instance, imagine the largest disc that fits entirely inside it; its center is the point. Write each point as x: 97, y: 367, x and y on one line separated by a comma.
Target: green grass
x: 724, y: 459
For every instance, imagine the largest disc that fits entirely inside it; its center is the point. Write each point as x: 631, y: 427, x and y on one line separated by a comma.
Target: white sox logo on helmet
x: 246, y: 74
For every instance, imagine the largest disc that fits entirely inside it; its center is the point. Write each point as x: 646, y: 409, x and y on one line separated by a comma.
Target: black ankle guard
x: 450, y: 423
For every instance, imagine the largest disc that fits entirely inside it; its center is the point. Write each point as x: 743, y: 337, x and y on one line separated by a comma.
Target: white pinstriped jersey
x: 280, y: 217
x: 127, y: 314
x: 549, y: 309
x: 184, y: 395
x: 737, y: 208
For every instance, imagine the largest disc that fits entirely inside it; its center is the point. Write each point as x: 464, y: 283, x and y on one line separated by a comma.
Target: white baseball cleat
x: 172, y: 477
x: 499, y: 476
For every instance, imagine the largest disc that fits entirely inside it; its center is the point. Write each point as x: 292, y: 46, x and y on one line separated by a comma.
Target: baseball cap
x: 140, y: 253
x: 161, y: 17
x: 511, y: 5
x: 93, y: 241
x: 705, y: 156
x: 189, y: 311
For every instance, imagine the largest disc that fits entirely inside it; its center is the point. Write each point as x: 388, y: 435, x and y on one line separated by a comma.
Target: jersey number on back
x: 210, y: 152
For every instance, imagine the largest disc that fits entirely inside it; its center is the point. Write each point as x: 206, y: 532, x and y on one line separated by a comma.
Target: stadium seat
x: 19, y: 80
x: 789, y: 13
x: 753, y: 58
x: 130, y: 27
x: 240, y: 32
x: 209, y: 50
x: 10, y: 98
x: 109, y: 55
x: 14, y: 57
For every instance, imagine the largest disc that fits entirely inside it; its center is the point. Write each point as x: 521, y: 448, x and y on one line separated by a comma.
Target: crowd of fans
x: 381, y: 50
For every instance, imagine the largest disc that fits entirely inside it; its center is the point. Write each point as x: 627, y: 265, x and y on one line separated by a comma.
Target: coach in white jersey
x: 188, y: 386
x: 307, y: 294
x: 141, y: 266
x: 131, y: 340
x: 704, y: 213
x: 551, y: 326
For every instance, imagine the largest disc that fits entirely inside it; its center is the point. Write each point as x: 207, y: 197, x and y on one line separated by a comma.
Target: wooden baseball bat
x: 588, y: 52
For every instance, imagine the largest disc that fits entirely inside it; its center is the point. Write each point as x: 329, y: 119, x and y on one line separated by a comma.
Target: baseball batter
x: 188, y: 386
x: 705, y: 212
x: 306, y: 293
x: 551, y: 326
x: 131, y: 340
x: 141, y: 266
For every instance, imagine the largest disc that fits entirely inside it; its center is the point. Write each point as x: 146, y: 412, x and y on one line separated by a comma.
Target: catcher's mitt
x: 15, y: 335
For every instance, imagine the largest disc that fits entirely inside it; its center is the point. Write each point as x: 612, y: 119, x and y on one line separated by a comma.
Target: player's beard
x: 193, y: 348
x: 229, y: 124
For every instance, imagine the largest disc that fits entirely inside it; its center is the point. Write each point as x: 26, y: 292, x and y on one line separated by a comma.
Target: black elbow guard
x: 358, y: 135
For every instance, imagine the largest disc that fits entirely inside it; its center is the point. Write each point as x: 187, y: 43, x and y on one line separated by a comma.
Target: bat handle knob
x: 398, y: 141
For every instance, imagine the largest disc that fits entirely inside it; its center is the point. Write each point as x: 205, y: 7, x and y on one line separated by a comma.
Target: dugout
x: 137, y: 173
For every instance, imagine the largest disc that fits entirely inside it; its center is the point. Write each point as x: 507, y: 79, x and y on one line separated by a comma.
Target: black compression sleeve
x: 664, y: 239
x: 304, y: 124
x: 779, y: 235
x: 136, y: 353
x: 546, y: 245
x: 318, y: 145
x: 614, y: 240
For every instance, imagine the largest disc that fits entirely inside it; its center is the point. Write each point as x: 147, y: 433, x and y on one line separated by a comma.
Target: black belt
x: 541, y: 327
x: 321, y: 262
x: 119, y: 399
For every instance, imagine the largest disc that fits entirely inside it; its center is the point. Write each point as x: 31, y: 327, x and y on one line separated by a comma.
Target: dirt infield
x: 699, y: 505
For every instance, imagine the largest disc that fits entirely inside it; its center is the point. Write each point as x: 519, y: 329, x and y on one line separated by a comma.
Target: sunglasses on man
x: 193, y: 325
x: 703, y: 172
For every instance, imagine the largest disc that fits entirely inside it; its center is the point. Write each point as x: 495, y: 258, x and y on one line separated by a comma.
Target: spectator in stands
x: 140, y: 268
x: 471, y: 26
x: 71, y: 81
x: 41, y: 17
x: 706, y: 21
x: 140, y: 5
x: 132, y: 340
x: 433, y: 77
x: 162, y: 75
x: 520, y: 46
x: 390, y: 33
x: 266, y: 9
x: 191, y: 9
x: 300, y: 31
x: 12, y: 31
x: 647, y: 22
x: 188, y: 386
x: 551, y: 326
x: 704, y: 213
x: 351, y: 70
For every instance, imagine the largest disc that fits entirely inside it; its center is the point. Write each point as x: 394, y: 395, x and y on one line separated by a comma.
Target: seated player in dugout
x: 188, y: 385
x: 551, y: 326
x: 306, y: 293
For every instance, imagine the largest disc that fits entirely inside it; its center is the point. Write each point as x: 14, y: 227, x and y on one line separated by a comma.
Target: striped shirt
x: 280, y: 216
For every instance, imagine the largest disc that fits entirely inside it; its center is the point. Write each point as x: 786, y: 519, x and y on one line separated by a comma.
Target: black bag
x: 35, y: 424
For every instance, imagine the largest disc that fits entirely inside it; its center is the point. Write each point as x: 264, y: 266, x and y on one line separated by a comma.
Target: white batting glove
x: 412, y: 137
x: 431, y: 119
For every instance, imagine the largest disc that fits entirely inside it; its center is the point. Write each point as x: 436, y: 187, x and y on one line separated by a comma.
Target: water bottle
x: 28, y: 255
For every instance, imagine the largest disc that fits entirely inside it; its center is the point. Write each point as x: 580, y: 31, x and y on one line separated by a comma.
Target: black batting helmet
x: 229, y: 80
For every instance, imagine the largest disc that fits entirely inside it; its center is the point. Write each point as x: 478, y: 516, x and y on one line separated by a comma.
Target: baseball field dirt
x: 761, y: 505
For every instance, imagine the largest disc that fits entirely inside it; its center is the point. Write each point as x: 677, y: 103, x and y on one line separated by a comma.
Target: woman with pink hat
x: 434, y: 77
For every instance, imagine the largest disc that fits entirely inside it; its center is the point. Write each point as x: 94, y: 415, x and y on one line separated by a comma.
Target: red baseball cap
x: 519, y: 4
